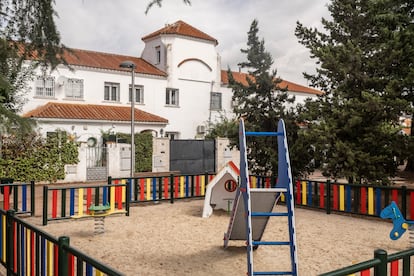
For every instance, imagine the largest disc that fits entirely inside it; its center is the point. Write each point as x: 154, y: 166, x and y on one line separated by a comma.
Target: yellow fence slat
x: 203, y: 185
x: 304, y: 193
x: 123, y: 190
x: 182, y: 179
x: 341, y: 198
x: 80, y: 202
x: 112, y: 199
x: 148, y: 184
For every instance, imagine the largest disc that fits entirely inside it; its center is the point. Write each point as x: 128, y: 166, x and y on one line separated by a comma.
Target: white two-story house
x: 180, y: 88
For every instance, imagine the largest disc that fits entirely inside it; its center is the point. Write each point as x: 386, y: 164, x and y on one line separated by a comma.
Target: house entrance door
x: 96, y: 163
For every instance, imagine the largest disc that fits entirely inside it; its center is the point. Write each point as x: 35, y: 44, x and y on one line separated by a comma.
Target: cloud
x: 117, y: 27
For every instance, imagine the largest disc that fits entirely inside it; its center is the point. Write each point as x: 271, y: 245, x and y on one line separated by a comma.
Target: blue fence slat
x: 154, y: 188
x: 72, y: 202
x: 43, y: 257
x: 105, y: 199
x: 24, y: 198
x: 130, y: 184
x: 310, y: 194
x: 187, y: 186
x: 89, y: 270
x: 348, y: 198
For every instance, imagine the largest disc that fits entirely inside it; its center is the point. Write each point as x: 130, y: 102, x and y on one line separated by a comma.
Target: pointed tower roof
x: 181, y: 28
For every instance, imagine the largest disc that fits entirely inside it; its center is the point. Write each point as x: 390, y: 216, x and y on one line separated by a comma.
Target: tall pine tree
x: 354, y: 126
x: 261, y: 102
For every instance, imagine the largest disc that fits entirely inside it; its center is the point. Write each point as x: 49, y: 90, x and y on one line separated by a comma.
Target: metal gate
x: 192, y: 156
x: 96, y: 162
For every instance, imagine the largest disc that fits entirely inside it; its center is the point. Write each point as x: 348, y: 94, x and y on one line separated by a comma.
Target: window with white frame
x: 171, y: 97
x: 45, y: 86
x: 74, y: 88
x: 139, y: 94
x: 111, y: 91
x: 157, y: 54
x: 215, y: 101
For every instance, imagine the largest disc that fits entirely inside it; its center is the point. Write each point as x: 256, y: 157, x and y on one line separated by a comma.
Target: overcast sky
x: 117, y: 26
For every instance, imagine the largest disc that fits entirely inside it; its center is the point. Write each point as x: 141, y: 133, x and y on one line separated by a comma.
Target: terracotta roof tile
x: 109, y: 61
x: 181, y: 28
x: 93, y: 59
x: 92, y: 112
x: 294, y: 87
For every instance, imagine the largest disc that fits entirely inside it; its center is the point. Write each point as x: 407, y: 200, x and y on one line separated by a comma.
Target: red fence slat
x: 363, y: 200
x: 54, y: 203
x: 298, y: 194
x: 394, y: 268
x: 335, y: 197
x: 321, y: 195
x: 142, y: 189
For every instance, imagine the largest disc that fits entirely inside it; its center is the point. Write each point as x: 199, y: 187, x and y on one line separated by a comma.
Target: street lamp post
x: 130, y: 65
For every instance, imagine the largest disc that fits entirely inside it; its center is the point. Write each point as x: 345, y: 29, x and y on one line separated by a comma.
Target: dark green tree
x: 224, y: 127
x: 354, y: 127
x: 261, y: 102
x: 27, y: 31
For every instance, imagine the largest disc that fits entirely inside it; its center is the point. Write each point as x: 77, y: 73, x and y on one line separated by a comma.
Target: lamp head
x: 127, y: 64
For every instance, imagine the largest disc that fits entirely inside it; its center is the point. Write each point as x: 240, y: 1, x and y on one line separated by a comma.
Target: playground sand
x: 173, y: 239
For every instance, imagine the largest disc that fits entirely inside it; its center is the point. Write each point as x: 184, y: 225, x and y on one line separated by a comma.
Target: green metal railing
x: 379, y: 265
x: 27, y: 250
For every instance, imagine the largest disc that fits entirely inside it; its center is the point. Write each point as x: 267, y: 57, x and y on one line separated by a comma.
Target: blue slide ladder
x: 284, y: 183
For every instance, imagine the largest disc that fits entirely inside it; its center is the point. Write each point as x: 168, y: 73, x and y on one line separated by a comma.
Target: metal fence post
x: 32, y: 198
x: 9, y: 241
x: 404, y: 200
x: 171, y: 188
x: 205, y: 182
x: 63, y: 257
x: 380, y: 269
x: 160, y: 186
x: 127, y: 197
x: 45, y: 202
x: 328, y: 197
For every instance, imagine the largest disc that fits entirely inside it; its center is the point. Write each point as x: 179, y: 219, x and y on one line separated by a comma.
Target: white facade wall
x: 192, y: 66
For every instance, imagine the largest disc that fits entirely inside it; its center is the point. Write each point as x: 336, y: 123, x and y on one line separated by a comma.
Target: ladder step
x: 272, y: 273
x: 270, y: 243
x: 253, y: 133
x: 266, y: 214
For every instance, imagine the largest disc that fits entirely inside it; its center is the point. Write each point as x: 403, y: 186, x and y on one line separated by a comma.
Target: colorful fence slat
x: 335, y: 196
x: 32, y: 252
x: 81, y: 199
x: 363, y: 200
x: 298, y: 193
x: 18, y: 196
x: 348, y: 200
x: 340, y: 197
x: 322, y: 195
x: 310, y: 194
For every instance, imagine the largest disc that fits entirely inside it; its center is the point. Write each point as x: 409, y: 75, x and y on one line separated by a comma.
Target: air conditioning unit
x: 201, y: 129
